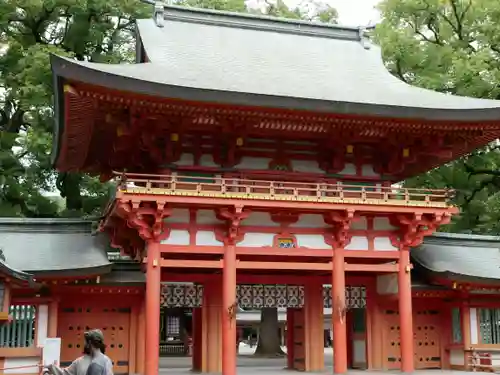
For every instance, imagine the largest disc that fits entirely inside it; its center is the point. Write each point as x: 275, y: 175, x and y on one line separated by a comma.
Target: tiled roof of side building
x: 211, y: 56
x: 16, y: 275
x: 461, y: 257
x: 62, y: 247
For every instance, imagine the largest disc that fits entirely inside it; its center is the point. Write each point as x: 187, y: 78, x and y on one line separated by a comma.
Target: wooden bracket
x: 413, y: 228
x: 233, y: 219
x: 341, y: 223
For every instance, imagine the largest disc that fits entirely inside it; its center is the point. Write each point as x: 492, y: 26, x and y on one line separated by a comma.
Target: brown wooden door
x: 299, y: 350
x: 426, y: 332
x: 427, y: 343
x: 391, y: 339
x: 77, y: 318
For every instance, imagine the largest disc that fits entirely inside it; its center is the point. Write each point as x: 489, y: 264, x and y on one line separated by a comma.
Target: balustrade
x: 241, y: 188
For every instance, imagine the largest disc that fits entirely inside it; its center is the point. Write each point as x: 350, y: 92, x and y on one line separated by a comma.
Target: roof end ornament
x: 364, y: 37
x: 158, y: 13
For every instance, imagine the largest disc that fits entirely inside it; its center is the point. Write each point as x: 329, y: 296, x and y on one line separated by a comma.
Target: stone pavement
x: 248, y: 364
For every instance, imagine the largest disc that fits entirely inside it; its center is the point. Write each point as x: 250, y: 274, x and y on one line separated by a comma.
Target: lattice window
x: 456, y: 323
x: 286, y: 243
x: 173, y: 326
x: 20, y: 333
x: 489, y: 326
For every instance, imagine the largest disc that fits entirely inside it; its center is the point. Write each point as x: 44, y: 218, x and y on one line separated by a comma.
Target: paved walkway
x: 248, y: 365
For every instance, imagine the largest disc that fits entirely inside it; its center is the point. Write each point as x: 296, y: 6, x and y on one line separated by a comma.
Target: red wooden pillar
x: 141, y: 338
x: 153, y: 292
x: 229, y: 310
x: 338, y: 316
x: 197, y: 334
x: 405, y: 312
x: 290, y: 338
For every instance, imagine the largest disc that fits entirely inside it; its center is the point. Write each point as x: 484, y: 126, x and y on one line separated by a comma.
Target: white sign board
x: 51, y: 351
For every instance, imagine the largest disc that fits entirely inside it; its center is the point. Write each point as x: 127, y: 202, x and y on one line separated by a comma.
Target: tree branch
x: 474, y: 172
x: 399, y: 71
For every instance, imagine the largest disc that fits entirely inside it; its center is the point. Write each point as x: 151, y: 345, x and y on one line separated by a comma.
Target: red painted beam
x: 275, y: 251
x: 282, y: 204
x: 181, y: 263
x: 371, y: 267
x: 265, y: 279
x: 290, y: 266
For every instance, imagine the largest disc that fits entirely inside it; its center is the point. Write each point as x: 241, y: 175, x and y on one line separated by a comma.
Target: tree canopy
x: 86, y: 30
x: 30, y: 30
x: 451, y: 46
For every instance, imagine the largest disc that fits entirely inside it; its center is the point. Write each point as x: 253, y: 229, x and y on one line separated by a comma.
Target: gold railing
x: 238, y: 188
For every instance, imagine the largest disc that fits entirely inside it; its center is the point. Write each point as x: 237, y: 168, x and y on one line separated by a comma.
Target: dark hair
x: 98, y: 344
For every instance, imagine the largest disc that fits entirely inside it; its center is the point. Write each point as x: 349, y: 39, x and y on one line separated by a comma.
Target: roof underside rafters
x: 277, y: 75
x: 99, y: 117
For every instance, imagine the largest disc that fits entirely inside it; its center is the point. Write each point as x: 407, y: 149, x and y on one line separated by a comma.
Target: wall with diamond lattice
x: 257, y: 296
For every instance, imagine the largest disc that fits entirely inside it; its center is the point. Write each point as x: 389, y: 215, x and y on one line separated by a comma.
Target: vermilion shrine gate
x: 251, y: 150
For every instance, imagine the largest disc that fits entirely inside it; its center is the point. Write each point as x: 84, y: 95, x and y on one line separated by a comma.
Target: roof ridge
x: 466, y: 236
x: 258, y: 22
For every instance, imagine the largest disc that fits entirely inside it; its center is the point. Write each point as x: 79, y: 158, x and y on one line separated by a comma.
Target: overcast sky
x: 356, y: 12
x: 351, y: 12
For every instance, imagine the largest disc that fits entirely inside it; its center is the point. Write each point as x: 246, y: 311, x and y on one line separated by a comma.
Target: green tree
x: 92, y: 30
x: 451, y: 46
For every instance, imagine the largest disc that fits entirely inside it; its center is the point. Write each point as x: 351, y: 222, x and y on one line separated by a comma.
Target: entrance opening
x: 175, y: 331
x: 181, y: 327
x: 356, y: 338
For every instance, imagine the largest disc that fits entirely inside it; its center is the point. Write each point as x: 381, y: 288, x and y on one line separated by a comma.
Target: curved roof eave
x: 74, y: 272
x: 468, y: 258
x: 18, y: 276
x: 133, y: 78
x: 137, y: 78
x: 62, y: 247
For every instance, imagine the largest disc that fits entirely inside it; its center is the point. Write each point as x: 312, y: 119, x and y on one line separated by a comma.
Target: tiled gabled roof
x: 62, y: 247
x: 466, y: 257
x: 239, y: 59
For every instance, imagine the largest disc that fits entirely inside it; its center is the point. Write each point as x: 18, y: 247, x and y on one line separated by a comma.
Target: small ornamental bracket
x: 232, y: 310
x: 341, y: 310
x: 147, y: 219
x: 341, y: 223
x: 413, y: 228
x: 233, y: 218
x: 159, y: 13
x: 364, y: 38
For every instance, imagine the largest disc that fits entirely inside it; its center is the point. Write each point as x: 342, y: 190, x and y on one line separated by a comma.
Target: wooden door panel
x: 426, y: 333
x: 392, y: 342
x: 75, y: 320
x: 427, y: 323
x: 299, y: 354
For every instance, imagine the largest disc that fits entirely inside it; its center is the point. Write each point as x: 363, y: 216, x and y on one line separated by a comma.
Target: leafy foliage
x: 31, y: 30
x: 86, y: 30
x: 452, y: 46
